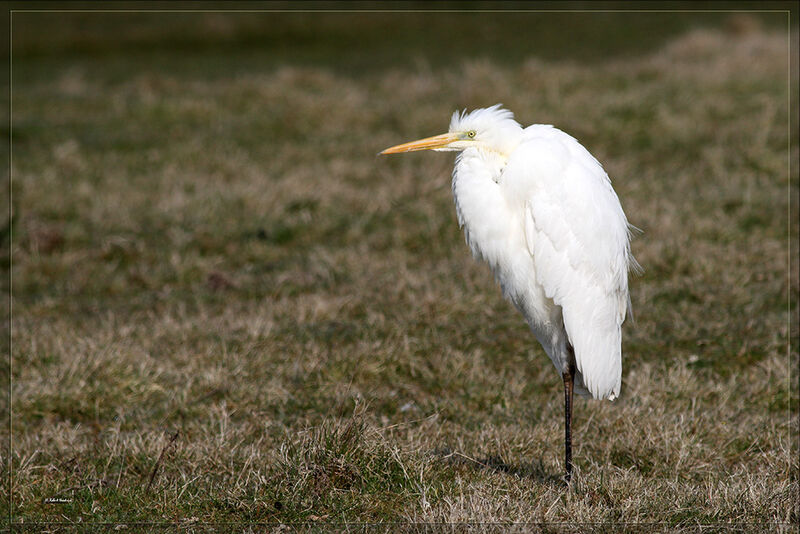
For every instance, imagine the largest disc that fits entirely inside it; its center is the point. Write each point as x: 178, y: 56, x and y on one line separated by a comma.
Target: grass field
x: 226, y: 308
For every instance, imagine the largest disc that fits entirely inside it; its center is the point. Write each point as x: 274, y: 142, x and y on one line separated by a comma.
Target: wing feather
x: 578, y: 237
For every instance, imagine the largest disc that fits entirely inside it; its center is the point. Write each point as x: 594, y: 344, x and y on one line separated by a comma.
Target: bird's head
x: 490, y: 129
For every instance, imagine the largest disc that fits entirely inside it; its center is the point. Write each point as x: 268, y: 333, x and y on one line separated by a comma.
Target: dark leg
x: 568, y: 377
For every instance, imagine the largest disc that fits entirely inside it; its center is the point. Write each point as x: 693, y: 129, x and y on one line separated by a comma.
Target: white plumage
x: 540, y: 210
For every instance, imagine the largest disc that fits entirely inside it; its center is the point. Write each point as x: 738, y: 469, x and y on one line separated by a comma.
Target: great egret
x: 540, y: 210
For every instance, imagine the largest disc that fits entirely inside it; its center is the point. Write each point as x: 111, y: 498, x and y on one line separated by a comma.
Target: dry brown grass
x: 225, y: 258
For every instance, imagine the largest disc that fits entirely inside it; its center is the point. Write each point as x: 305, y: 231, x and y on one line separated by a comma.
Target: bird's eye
x: 471, y: 134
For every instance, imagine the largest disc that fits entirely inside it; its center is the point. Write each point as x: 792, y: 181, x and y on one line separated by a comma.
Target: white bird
x: 540, y: 210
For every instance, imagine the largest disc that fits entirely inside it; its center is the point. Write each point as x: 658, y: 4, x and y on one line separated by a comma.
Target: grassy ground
x: 227, y: 308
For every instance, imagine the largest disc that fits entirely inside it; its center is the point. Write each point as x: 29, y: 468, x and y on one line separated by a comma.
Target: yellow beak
x: 437, y: 141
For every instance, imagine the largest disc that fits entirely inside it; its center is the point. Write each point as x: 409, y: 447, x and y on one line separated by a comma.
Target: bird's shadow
x: 534, y: 470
